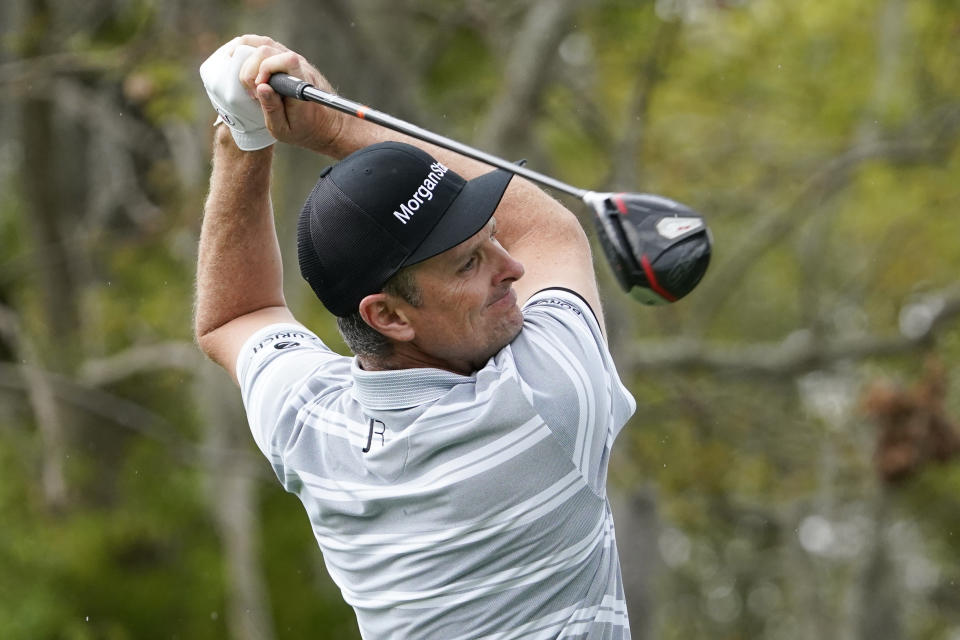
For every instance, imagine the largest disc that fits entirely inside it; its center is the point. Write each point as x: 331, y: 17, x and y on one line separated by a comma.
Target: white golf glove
x: 221, y: 78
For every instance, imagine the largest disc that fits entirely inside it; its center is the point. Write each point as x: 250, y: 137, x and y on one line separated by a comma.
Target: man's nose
x: 509, y: 269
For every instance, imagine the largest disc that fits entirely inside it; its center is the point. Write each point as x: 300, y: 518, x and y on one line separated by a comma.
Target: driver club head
x: 658, y: 249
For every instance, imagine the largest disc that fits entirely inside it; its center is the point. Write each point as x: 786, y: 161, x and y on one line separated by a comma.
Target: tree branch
x: 176, y: 355
x: 507, y: 124
x: 124, y: 413
x: 41, y: 397
x: 922, y: 142
x: 22, y: 73
x: 624, y: 172
x: 798, y: 353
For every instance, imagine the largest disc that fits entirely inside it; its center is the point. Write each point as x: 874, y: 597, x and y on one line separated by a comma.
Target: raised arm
x: 534, y: 227
x: 239, y: 268
x: 239, y: 271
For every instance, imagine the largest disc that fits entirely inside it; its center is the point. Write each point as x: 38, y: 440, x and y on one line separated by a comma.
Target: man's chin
x: 511, y: 328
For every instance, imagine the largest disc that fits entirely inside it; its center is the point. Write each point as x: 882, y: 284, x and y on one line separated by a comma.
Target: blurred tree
x: 819, y: 139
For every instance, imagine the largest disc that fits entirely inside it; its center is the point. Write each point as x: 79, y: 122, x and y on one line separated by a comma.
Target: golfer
x: 454, y: 470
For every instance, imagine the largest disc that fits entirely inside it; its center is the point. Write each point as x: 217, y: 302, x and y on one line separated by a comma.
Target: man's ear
x: 382, y: 312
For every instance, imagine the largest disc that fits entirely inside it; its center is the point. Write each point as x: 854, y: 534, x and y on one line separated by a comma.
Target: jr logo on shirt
x: 377, y: 428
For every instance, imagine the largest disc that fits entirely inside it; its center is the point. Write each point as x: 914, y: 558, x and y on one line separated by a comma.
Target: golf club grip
x: 287, y: 85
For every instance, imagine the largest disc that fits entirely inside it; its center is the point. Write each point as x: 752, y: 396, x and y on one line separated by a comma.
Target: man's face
x: 468, y: 309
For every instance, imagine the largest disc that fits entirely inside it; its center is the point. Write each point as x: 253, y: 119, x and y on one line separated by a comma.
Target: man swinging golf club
x: 454, y: 470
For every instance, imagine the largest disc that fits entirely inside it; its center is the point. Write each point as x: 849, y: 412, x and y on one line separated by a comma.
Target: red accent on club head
x: 652, y: 279
x: 621, y: 205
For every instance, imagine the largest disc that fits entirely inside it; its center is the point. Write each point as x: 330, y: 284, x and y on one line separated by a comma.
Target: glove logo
x: 226, y: 117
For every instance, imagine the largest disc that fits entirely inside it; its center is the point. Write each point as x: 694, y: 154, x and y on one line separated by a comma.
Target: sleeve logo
x: 283, y: 340
x: 556, y: 302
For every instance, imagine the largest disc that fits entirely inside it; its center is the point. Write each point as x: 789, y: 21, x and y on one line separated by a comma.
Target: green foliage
x: 109, y: 571
x: 457, y: 97
x: 159, y: 309
x: 117, y: 28
x: 306, y: 602
x: 819, y: 138
x: 163, y: 91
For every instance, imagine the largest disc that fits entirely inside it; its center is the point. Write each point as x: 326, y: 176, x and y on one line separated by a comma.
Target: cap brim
x: 470, y: 211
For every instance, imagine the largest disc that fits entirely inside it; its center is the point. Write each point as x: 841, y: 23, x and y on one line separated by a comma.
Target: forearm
x: 534, y: 227
x: 335, y: 134
x: 239, y: 269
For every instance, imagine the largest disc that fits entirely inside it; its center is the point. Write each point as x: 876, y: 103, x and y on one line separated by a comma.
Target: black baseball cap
x: 382, y: 208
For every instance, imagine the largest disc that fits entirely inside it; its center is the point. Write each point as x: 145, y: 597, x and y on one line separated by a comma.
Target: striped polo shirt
x: 450, y: 506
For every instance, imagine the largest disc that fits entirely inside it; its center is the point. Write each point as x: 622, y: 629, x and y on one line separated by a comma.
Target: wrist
x: 344, y: 136
x: 326, y: 137
x: 225, y: 145
x: 221, y: 135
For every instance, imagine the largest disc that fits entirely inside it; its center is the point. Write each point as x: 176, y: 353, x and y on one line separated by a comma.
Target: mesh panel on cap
x: 344, y: 255
x: 311, y: 267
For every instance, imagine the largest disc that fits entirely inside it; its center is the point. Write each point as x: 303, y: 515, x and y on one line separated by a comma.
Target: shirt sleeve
x: 274, y: 369
x: 568, y: 375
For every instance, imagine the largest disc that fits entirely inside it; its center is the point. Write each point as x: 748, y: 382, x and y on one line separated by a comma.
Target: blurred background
x: 793, y: 468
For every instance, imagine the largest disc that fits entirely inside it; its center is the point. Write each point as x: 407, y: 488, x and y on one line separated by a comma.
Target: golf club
x: 657, y: 248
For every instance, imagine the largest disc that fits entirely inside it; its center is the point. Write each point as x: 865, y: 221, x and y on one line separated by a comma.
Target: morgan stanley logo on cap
x: 425, y: 191
x: 348, y: 240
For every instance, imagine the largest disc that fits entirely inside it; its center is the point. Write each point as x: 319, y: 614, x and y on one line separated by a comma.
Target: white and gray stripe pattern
x: 451, y: 506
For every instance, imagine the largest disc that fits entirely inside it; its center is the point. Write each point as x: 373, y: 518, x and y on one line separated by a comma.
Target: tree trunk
x: 638, y: 526
x: 626, y: 172
x: 233, y: 499
x: 881, y: 613
x: 54, y: 344
x: 890, y: 32
x: 45, y: 411
x: 508, y: 125
x: 42, y: 179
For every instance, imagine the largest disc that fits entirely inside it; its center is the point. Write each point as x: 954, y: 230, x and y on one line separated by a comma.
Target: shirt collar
x: 401, y: 388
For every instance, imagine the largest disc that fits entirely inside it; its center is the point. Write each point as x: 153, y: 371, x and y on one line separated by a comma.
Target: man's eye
x: 468, y: 264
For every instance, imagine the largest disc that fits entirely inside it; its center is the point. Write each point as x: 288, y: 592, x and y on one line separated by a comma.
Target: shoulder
x: 280, y: 355
x: 561, y: 343
x: 560, y: 298
x: 566, y: 373
x: 557, y: 312
x: 283, y: 368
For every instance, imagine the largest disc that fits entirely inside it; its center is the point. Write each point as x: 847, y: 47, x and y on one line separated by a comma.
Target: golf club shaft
x: 288, y: 85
